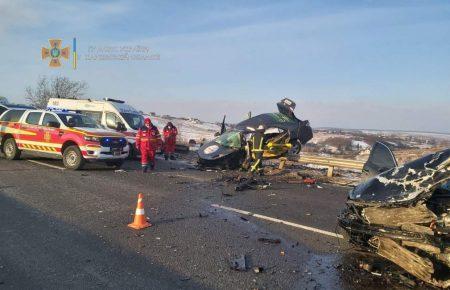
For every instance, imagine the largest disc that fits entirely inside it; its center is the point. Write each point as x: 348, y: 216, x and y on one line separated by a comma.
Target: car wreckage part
x: 403, y: 215
x: 414, y: 264
x: 284, y: 131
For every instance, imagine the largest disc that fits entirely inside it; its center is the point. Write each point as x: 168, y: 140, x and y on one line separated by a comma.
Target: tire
x: 296, y: 148
x: 133, y: 155
x: 11, y: 150
x: 116, y: 163
x: 72, y: 158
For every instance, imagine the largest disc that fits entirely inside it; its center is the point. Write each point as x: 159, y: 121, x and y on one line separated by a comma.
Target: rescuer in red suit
x: 147, y: 141
x: 170, y: 138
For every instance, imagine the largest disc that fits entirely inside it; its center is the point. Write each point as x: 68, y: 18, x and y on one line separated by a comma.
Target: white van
x: 113, y: 114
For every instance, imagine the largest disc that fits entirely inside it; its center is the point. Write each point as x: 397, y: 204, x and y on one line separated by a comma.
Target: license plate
x: 116, y: 152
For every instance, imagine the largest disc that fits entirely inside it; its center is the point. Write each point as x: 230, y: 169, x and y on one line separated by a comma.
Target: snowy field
x: 188, y: 129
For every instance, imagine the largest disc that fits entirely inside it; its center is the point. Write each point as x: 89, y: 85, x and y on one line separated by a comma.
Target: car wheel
x: 134, y: 153
x: 72, y: 158
x: 11, y: 150
x: 116, y: 163
x: 296, y: 147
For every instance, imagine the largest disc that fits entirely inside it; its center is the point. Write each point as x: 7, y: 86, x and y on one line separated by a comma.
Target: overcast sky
x: 351, y: 64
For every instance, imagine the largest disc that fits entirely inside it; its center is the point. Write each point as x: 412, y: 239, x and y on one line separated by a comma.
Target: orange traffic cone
x: 140, y: 221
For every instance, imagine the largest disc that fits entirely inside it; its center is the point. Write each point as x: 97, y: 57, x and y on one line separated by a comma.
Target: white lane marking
x: 267, y: 218
x: 45, y: 164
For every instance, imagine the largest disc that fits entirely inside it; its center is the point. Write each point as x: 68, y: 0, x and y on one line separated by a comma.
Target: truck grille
x: 113, y: 142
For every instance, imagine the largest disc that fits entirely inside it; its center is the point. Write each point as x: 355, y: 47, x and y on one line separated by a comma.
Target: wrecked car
x: 284, y: 134
x: 403, y: 215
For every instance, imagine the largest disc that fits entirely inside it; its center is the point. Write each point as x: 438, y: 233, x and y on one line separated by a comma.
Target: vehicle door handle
x: 60, y: 133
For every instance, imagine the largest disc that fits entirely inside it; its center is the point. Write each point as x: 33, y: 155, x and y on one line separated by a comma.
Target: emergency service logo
x: 56, y: 52
x: 47, y: 136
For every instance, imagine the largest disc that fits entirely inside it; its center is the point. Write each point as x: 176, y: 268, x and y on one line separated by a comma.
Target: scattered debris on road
x: 202, y: 215
x: 258, y: 270
x: 269, y: 241
x: 240, y: 264
x: 251, y: 183
x: 309, y: 181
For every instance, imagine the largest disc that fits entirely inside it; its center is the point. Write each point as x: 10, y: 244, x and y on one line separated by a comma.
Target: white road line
x: 45, y: 164
x: 279, y: 221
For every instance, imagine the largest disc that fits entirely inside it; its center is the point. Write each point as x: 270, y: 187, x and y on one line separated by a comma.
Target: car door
x: 52, y: 132
x: 31, y: 135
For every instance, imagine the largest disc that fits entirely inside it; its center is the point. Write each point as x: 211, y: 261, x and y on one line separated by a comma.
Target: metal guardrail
x: 331, y: 162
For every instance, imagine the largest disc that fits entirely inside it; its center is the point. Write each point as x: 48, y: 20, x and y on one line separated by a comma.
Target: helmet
x: 147, y: 121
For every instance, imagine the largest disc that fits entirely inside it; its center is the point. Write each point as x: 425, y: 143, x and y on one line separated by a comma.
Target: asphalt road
x: 67, y: 229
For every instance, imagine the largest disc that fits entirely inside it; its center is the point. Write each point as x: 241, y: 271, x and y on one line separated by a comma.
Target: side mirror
x: 71, y: 123
x: 52, y: 124
x: 121, y: 127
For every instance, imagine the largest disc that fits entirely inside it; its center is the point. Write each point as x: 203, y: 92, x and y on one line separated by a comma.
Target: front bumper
x: 105, y: 153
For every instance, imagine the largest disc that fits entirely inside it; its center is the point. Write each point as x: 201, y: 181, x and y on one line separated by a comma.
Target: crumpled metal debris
x: 309, y: 181
x: 401, y: 215
x: 251, y: 183
x: 240, y: 264
x: 269, y: 241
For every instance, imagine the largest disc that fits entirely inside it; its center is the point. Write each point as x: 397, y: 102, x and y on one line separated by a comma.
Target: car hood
x: 99, y: 132
x: 213, y: 150
x: 406, y: 184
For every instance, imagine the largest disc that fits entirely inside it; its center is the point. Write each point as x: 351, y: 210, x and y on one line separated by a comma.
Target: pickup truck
x: 75, y: 138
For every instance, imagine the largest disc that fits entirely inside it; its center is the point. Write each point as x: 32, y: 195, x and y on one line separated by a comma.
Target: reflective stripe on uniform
x: 255, y: 166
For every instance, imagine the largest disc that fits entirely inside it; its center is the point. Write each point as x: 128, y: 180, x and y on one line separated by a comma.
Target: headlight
x: 211, y: 149
x: 92, y: 138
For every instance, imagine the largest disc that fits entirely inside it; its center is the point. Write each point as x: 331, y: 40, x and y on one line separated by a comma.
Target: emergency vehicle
x: 75, y: 138
x: 111, y: 113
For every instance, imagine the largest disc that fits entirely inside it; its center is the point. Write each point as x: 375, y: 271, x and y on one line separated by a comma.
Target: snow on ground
x: 360, y: 144
x: 188, y: 129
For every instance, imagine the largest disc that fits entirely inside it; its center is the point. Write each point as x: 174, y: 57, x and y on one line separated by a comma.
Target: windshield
x: 230, y: 139
x: 135, y: 121
x: 77, y: 120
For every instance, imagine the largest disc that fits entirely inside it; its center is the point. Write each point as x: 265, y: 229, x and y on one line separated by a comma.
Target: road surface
x: 68, y: 229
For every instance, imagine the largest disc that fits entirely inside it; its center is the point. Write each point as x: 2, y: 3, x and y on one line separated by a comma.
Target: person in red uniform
x: 170, y: 138
x: 147, y: 141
